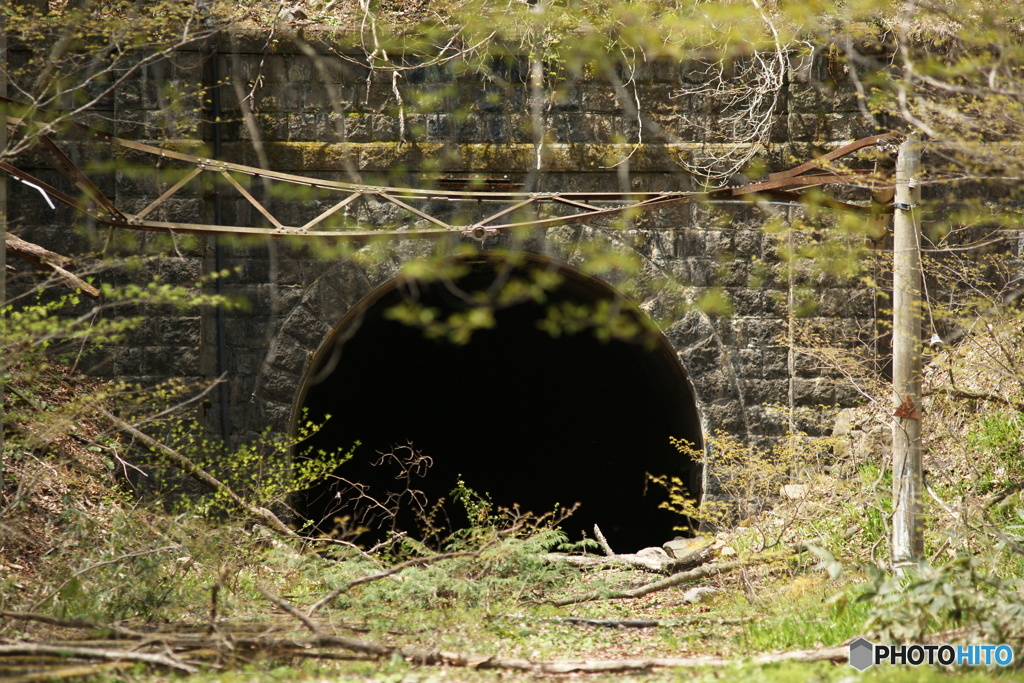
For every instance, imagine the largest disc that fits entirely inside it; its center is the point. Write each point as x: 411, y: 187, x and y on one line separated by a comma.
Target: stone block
x: 766, y: 391
x: 467, y: 128
x: 242, y: 68
x: 432, y: 73
x: 274, y: 415
x: 813, y: 392
x: 350, y: 70
x: 681, y: 548
x: 746, y: 244
x: 711, y: 386
x: 727, y: 416
x: 826, y: 127
x: 300, y: 271
x: 599, y: 98
x: 701, y: 272
x: 691, y: 243
x: 136, y: 124
x: 338, y: 99
x: 116, y: 362
x: 660, y: 99
x: 301, y: 69
x: 746, y: 301
x: 181, y: 331
x: 762, y: 332
x: 808, y: 97
x: 327, y: 303
x: 775, y: 362
x: 171, y: 361
x: 748, y: 363
x: 243, y: 364
x: 846, y: 302
x: 379, y: 97
x: 278, y: 385
x: 275, y: 69
x: 306, y: 328
x: 289, y: 355
x: 137, y: 94
x: 250, y: 333
x: 766, y: 421
x: 495, y: 99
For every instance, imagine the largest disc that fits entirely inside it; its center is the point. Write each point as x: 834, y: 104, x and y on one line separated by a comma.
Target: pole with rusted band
x: 907, y: 484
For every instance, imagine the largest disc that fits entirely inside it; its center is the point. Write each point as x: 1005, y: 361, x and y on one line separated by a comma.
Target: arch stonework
x: 328, y: 305
x: 740, y: 365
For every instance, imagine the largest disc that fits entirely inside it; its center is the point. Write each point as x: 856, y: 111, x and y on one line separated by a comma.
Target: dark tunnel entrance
x: 526, y: 417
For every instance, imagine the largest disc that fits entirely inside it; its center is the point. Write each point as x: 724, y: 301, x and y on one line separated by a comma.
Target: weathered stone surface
x: 324, y: 120
x: 655, y: 554
x: 681, y: 548
x: 699, y: 594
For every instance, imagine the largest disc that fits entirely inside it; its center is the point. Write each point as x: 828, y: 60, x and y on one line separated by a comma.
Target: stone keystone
x: 862, y: 654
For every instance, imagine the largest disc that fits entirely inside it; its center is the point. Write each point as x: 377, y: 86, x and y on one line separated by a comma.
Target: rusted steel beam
x: 59, y: 195
x: 425, y: 216
x: 835, y: 154
x: 780, y: 186
x: 331, y: 211
x: 65, y: 166
x: 169, y: 193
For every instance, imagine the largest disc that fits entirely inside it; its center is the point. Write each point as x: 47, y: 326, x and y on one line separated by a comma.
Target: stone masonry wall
x: 328, y: 118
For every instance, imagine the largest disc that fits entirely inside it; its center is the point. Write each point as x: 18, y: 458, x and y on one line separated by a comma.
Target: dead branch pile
x: 189, y: 650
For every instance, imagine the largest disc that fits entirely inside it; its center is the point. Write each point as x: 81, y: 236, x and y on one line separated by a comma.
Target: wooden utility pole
x: 3, y: 216
x: 907, y: 484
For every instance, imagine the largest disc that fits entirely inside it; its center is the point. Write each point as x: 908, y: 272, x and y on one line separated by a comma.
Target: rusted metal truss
x: 495, y: 212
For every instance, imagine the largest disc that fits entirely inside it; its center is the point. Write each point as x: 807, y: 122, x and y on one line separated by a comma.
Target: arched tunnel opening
x: 518, y: 414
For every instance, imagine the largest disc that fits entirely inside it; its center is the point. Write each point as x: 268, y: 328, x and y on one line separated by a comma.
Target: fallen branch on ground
x: 832, y: 654
x: 31, y: 649
x: 630, y: 623
x: 593, y: 562
x: 77, y: 671
x: 201, y: 647
x: 666, y: 565
x: 674, y: 580
x: 70, y: 623
x: 692, y: 559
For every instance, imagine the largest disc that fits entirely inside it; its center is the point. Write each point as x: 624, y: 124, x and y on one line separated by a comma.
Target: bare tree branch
x: 199, y: 474
x: 96, y: 653
x: 45, y: 259
x: 674, y: 580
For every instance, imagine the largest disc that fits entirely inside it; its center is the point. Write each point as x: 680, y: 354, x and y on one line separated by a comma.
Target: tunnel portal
x: 523, y: 416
